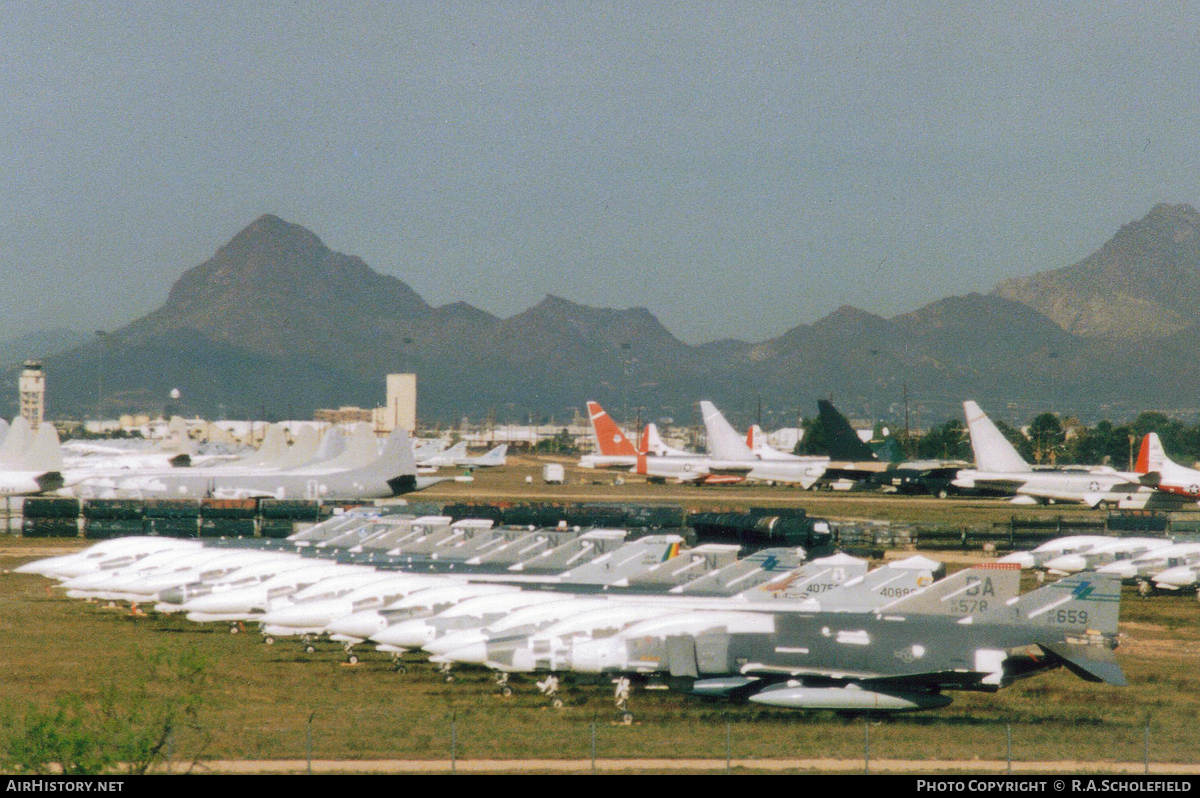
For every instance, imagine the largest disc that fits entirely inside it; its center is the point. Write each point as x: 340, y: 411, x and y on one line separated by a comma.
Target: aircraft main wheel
x: 943, y: 493
x: 270, y: 641
x: 352, y: 659
x: 401, y: 669
x: 233, y: 630
x: 449, y: 678
x: 557, y: 703
x: 1143, y: 588
x: 627, y: 718
x: 310, y: 649
x: 506, y: 691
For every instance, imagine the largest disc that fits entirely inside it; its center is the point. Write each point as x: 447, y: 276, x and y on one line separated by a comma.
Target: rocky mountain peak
x: 1143, y: 283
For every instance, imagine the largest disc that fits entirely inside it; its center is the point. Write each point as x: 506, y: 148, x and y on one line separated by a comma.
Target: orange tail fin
x: 609, y: 437
x: 1143, y: 461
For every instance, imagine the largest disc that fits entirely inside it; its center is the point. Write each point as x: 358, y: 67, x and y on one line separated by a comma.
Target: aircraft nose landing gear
x: 549, y: 688
x: 621, y: 698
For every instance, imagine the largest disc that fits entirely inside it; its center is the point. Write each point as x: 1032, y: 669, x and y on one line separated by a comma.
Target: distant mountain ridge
x: 276, y: 323
x: 38, y: 344
x: 1143, y: 283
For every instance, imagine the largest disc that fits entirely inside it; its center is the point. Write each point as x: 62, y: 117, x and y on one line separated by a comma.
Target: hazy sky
x: 738, y: 168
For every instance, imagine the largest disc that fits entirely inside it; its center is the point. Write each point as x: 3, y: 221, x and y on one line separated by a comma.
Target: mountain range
x: 276, y: 324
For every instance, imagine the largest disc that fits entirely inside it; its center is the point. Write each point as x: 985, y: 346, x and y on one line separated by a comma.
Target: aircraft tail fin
x: 609, y: 438
x: 843, y: 442
x: 43, y: 453
x: 967, y: 592
x: 18, y: 439
x: 993, y: 452
x: 1084, y: 602
x: 643, y: 446
x: 876, y: 587
x: 723, y: 441
x: 494, y: 457
x: 457, y: 450
x: 654, y: 442
x: 1151, y: 456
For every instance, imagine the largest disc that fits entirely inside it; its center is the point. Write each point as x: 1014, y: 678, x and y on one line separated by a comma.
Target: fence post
x: 866, y: 746
x: 1008, y: 735
x: 728, y: 748
x: 308, y: 741
x: 1147, y: 752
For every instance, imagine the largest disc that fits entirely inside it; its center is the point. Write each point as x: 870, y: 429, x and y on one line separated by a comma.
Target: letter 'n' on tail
x: 609, y: 438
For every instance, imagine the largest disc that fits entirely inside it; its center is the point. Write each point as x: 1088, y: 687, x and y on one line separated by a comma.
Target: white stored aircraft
x: 999, y: 468
x: 613, y: 449
x: 1164, y: 474
x: 731, y: 460
x: 32, y: 461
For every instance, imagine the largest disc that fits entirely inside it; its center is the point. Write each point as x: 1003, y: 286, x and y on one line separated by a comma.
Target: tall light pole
x: 102, y: 338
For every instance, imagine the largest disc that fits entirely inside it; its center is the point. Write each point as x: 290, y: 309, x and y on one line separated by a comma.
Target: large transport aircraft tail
x: 843, y: 442
x: 609, y: 438
x: 1152, y: 456
x: 395, y: 465
x: 16, y: 441
x: 993, y: 451
x: 43, y: 453
x: 723, y: 441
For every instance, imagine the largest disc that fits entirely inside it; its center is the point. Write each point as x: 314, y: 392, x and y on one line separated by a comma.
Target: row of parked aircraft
x: 1150, y: 563
x: 341, y: 464
x: 771, y: 628
x: 851, y: 464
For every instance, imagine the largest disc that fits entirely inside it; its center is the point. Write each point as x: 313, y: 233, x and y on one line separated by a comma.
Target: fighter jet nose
x: 472, y: 653
x: 175, y: 595
x: 1067, y: 564
x: 410, y: 634
x: 1182, y: 576
x: 451, y: 642
x: 1123, y: 570
x: 1021, y: 558
x: 360, y: 624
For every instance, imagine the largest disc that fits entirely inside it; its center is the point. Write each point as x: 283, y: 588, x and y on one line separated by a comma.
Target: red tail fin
x: 1143, y: 461
x: 609, y: 437
x: 750, y: 438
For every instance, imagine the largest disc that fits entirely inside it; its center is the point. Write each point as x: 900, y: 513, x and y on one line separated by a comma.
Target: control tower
x: 32, y: 385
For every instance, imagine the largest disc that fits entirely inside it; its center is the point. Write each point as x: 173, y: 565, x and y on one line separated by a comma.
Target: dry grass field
x: 257, y: 699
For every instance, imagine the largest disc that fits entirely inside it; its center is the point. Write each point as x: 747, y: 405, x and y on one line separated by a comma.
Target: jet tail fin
x: 1078, y: 604
x: 843, y: 442
x: 723, y: 441
x: 993, y: 452
x: 967, y: 592
x: 609, y: 438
